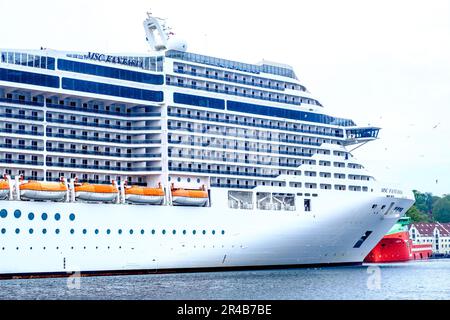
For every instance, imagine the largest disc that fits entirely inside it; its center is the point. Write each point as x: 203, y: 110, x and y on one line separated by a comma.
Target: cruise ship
x: 171, y: 161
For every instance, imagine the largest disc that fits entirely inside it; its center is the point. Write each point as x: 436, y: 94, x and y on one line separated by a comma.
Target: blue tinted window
x: 72, y: 231
x: 31, y: 216
x: 31, y: 231
x: 3, y: 230
x: 57, y: 231
x: 3, y: 213
x: 287, y: 113
x: 57, y: 217
x: 17, y: 213
x: 109, y: 72
x: 29, y: 78
x: 112, y: 90
x: 17, y: 230
x: 72, y: 217
x: 198, y: 101
x: 44, y: 216
x: 96, y: 231
x: 108, y: 231
x: 84, y: 231
x: 44, y: 231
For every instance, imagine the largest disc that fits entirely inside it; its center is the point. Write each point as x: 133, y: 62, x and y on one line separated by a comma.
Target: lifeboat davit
x: 36, y: 190
x: 4, y: 189
x: 188, y: 197
x: 96, y: 192
x: 143, y: 195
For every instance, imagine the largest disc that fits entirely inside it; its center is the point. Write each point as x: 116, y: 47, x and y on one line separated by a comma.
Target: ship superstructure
x: 175, y: 160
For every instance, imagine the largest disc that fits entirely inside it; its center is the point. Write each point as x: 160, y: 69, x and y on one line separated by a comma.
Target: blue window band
x: 32, y: 78
x: 199, y: 101
x: 112, y: 90
x: 109, y: 72
x: 287, y: 113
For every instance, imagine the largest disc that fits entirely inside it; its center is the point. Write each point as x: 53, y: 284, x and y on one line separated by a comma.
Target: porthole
x: 31, y: 231
x: 131, y: 231
x: 198, y: 180
x: 174, y: 232
x: 96, y: 231
x: 108, y: 231
x: 194, y: 232
x: 3, y: 213
x: 44, y: 231
x: 153, y: 231
x: 204, y: 232
x: 179, y: 179
x: 31, y: 216
x: 120, y: 231
x: 84, y: 231
x: 72, y: 217
x: 3, y: 231
x: 214, y: 232
x: 72, y: 231
x: 17, y: 230
x: 188, y: 179
x: 17, y: 213
x: 44, y: 216
x: 57, y: 231
x: 142, y: 231
x: 184, y: 232
x: 164, y: 232
x: 57, y: 216
x: 223, y: 231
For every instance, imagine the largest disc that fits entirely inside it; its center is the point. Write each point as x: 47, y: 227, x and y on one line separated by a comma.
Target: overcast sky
x: 386, y: 63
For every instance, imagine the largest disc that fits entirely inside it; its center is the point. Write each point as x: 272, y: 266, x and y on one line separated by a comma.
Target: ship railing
x: 107, y: 154
x: 88, y: 138
x: 24, y: 102
x: 229, y: 79
x: 108, y: 168
x: 234, y: 93
x: 98, y: 125
x: 19, y: 116
x: 27, y: 132
x: 99, y: 111
x: 21, y: 147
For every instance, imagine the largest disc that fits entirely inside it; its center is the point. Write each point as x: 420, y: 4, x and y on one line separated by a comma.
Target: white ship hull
x: 251, y: 238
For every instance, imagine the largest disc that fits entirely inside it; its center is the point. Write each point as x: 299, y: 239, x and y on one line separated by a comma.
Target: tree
x: 416, y: 215
x: 424, y: 202
x: 441, y: 209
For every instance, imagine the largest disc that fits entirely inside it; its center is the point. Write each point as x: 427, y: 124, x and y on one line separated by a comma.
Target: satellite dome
x: 177, y: 44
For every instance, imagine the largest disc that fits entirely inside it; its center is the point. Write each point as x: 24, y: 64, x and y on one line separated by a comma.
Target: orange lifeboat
x: 4, y: 189
x: 36, y: 190
x: 189, y: 197
x: 143, y: 195
x: 96, y: 192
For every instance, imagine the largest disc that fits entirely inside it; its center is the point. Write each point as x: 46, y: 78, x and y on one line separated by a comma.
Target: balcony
x: 107, y: 154
x: 98, y: 125
x: 98, y: 139
x: 255, y: 125
x: 223, y: 172
x: 98, y: 111
x: 107, y: 168
x: 22, y: 117
x: 21, y: 147
x: 23, y: 102
x: 26, y: 132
